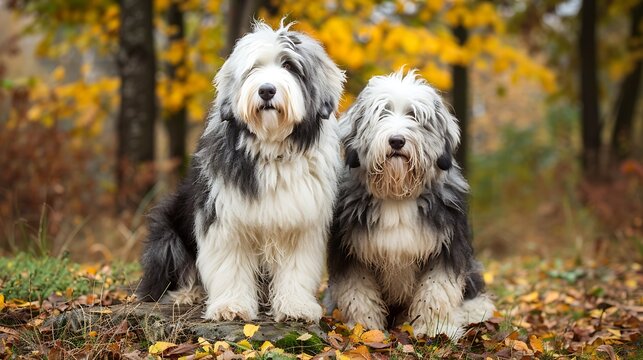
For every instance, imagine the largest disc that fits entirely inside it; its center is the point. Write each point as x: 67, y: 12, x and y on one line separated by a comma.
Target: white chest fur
x: 395, y: 245
x: 399, y: 237
x: 296, y: 191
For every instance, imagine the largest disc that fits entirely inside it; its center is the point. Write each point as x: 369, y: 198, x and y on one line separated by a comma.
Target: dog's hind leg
x: 189, y: 291
x: 169, y: 254
x: 476, y: 310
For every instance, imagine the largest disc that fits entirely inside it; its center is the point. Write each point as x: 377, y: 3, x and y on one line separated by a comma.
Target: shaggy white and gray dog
x: 400, y: 248
x: 250, y: 223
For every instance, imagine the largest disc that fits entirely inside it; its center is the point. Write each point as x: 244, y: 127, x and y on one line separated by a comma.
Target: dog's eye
x: 411, y: 113
x: 287, y: 65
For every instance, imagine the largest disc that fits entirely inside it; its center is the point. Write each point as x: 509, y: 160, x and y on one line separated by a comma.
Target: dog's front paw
x: 229, y: 312
x: 309, y: 311
x: 433, y: 328
x: 368, y: 322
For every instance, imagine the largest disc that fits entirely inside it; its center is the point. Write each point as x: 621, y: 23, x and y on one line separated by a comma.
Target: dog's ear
x: 445, y: 161
x: 451, y: 135
x: 326, y: 110
x: 352, y: 158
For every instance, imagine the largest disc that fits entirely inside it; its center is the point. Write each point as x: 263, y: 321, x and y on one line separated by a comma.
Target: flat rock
x: 167, y: 321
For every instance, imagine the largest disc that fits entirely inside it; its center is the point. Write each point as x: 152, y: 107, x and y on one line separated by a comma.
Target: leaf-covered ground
x: 546, y: 309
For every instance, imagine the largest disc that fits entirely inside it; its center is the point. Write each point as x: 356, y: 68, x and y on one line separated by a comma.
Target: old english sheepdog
x: 250, y: 223
x: 400, y: 249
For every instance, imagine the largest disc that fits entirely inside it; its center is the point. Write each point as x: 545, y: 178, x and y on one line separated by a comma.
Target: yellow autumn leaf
x: 204, y: 343
x: 358, y: 330
x: 34, y: 113
x: 408, y: 329
x: 249, y: 330
x: 160, y: 346
x: 2, y: 302
x: 245, y: 344
x: 267, y: 345
x: 536, y: 343
x: 615, y: 332
x: 488, y: 277
x: 304, y: 337
x: 340, y: 356
x: 373, y: 336
x: 551, y: 296
x: 220, y: 346
x: 517, y: 345
x: 531, y: 297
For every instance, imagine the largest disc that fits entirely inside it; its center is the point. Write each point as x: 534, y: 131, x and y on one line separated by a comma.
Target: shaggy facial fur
x: 400, y: 248
x: 250, y: 222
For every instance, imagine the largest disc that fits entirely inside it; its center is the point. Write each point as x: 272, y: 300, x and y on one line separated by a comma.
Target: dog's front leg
x: 358, y: 297
x: 297, y: 275
x: 227, y: 267
x: 435, y: 304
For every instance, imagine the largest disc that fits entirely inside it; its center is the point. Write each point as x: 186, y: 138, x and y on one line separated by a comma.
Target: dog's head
x: 275, y: 80
x: 400, y: 134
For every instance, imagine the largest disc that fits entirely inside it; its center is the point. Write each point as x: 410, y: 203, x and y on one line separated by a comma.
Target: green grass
x: 34, y: 278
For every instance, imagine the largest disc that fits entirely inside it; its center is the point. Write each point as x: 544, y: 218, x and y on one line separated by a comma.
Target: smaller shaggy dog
x: 250, y: 222
x: 400, y: 248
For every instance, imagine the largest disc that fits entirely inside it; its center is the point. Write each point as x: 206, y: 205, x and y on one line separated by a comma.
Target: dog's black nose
x: 396, y: 141
x: 267, y: 91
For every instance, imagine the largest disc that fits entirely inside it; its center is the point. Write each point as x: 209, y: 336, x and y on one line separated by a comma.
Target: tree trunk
x: 460, y: 76
x: 591, y: 124
x: 176, y: 122
x: 240, y: 15
x: 621, y: 147
x: 135, y: 128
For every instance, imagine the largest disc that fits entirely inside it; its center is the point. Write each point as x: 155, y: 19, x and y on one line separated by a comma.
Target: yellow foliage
x: 162, y: 5
x: 267, y: 345
x: 245, y: 344
x: 373, y: 336
x: 434, y: 5
x: 158, y: 347
x: 176, y: 53
x: 249, y: 330
x: 361, y: 43
x: 436, y: 76
x: 59, y: 73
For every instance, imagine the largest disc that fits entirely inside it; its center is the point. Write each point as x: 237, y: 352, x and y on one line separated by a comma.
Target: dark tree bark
x: 240, y: 15
x: 621, y: 145
x: 591, y: 124
x: 135, y: 127
x: 460, y: 93
x: 176, y: 122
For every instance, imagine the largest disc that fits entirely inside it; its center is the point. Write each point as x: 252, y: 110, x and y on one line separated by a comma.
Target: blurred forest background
x: 101, y: 103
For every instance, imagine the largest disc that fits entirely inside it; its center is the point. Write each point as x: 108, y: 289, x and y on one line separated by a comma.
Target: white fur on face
x: 274, y: 124
x: 406, y: 106
x: 263, y: 57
